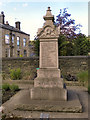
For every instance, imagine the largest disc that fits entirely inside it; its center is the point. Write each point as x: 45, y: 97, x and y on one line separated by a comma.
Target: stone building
x: 14, y: 41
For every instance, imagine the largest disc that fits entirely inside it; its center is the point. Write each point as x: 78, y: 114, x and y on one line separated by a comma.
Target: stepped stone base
x: 48, y: 82
x: 72, y: 105
x: 48, y: 85
x: 48, y: 93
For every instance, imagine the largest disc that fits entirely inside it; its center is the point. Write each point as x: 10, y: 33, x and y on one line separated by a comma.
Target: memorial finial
x: 48, y: 15
x: 49, y: 9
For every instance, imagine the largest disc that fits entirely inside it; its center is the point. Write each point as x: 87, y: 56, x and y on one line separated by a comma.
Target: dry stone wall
x: 67, y: 64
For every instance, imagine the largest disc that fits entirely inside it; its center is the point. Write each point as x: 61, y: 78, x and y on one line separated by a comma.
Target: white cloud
x: 25, y: 5
x: 0, y: 3
x: 15, y: 9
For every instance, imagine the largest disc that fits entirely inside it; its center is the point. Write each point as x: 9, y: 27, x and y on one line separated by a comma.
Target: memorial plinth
x: 48, y: 85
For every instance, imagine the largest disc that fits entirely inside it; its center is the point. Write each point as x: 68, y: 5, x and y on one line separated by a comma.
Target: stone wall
x: 27, y: 65
x: 68, y: 65
x: 73, y: 64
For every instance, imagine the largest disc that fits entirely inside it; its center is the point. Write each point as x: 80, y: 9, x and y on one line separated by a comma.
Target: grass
x: 8, y: 91
x: 6, y: 87
x: 83, y: 78
x: 12, y: 87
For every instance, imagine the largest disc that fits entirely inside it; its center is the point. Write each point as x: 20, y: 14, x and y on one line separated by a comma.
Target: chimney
x: 2, y: 17
x: 7, y: 23
x: 17, y: 25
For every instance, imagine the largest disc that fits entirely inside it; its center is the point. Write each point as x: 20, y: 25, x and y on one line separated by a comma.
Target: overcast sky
x: 30, y: 14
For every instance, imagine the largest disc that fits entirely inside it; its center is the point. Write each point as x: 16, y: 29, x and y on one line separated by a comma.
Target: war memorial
x: 49, y: 93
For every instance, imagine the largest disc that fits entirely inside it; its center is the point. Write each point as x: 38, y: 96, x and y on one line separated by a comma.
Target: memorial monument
x: 48, y: 85
x: 49, y: 93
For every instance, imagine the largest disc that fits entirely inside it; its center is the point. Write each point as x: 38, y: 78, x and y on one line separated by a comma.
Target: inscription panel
x: 48, y: 55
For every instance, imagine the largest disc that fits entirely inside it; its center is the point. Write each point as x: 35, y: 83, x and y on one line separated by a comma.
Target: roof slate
x: 9, y: 27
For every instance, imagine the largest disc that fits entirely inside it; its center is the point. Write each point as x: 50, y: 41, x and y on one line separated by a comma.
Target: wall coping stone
x: 22, y: 58
x: 37, y: 58
x: 74, y: 57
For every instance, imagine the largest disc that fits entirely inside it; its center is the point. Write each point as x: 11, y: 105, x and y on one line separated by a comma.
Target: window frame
x: 18, y: 53
x: 7, y: 52
x: 13, y: 39
x: 25, y: 53
x: 7, y: 40
x: 24, y: 42
x: 18, y: 41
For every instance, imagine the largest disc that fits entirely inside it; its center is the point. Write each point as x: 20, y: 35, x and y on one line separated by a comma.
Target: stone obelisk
x: 48, y: 85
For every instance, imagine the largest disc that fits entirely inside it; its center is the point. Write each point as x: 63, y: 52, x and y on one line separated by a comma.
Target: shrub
x: 15, y: 74
x: 14, y: 87
x: 83, y: 77
x: 6, y: 87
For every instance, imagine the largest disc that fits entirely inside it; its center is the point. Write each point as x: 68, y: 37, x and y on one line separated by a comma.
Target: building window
x: 7, y: 52
x: 18, y: 41
x: 25, y: 53
x: 12, y: 39
x: 7, y: 39
x: 18, y: 53
x: 24, y: 42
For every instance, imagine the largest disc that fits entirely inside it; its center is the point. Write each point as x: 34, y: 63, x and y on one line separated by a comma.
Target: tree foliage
x: 67, y: 25
x: 81, y: 45
x: 65, y: 47
x: 71, y: 41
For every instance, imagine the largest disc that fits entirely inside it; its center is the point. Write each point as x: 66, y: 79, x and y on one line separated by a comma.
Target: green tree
x: 81, y: 45
x: 71, y: 41
x: 65, y: 47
